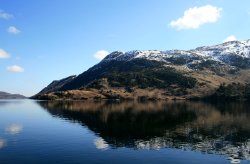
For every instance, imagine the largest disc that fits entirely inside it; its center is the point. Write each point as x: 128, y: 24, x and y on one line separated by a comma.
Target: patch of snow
x: 219, y: 53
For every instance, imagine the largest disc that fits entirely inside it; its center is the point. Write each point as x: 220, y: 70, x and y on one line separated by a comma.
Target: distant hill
x: 5, y: 95
x: 221, y: 70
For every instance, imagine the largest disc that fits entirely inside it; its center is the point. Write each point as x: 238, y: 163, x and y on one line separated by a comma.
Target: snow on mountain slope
x: 225, y: 53
x: 240, y: 48
x: 149, y: 54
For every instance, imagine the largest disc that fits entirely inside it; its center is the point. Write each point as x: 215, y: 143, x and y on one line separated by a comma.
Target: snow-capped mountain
x: 232, y: 53
x: 174, y: 73
x: 240, y: 48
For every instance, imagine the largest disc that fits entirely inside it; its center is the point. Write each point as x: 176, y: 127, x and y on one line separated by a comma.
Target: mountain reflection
x: 209, y: 128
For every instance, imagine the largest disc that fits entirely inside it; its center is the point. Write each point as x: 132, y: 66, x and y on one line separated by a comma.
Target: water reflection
x: 209, y: 128
x: 2, y: 143
x: 14, y: 129
x: 101, y: 144
x: 5, y: 102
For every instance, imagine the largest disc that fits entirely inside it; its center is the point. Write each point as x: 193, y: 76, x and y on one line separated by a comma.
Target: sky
x: 42, y: 41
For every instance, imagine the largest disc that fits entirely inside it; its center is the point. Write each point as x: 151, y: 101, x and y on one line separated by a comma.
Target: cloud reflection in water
x: 101, y: 144
x: 3, y: 143
x: 14, y: 129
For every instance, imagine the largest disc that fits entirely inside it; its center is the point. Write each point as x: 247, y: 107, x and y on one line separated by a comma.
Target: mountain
x: 152, y: 74
x: 56, y: 85
x: 5, y: 95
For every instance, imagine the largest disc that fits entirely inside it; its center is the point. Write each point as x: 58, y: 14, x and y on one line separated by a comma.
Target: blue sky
x: 41, y: 41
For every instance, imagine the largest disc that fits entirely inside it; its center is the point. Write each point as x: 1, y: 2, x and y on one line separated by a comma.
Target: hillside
x: 173, y: 74
x: 5, y: 95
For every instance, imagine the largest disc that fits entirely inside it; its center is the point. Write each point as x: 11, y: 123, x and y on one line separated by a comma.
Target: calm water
x: 128, y: 132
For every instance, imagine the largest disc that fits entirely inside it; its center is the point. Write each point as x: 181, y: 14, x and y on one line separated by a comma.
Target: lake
x: 123, y: 132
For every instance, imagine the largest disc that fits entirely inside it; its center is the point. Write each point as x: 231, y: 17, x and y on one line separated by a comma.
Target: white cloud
x: 194, y: 17
x: 101, y: 54
x: 4, y: 54
x: 13, y: 30
x: 14, y: 129
x: 4, y: 15
x: 15, y: 69
x: 101, y: 144
x: 230, y: 38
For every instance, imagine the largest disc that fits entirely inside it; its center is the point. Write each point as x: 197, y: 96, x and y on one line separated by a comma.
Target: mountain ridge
x: 218, y: 52
x: 173, y: 74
